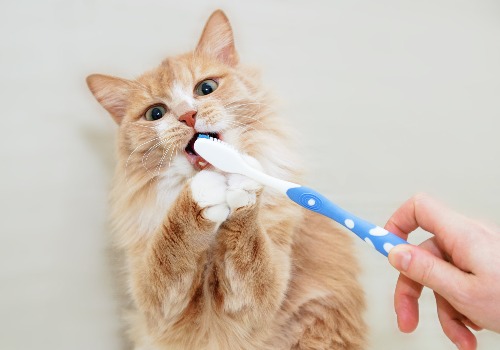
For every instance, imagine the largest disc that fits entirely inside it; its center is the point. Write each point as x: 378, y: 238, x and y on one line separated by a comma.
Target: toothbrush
x: 225, y: 157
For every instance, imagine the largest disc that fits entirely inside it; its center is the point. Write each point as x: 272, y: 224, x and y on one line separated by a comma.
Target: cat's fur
x: 214, y: 261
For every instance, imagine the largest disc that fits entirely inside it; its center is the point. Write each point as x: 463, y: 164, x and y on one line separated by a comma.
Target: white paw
x: 241, y: 191
x: 208, y: 189
x: 217, y: 213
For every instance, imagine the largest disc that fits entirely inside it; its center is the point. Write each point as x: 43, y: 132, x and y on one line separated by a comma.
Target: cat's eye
x: 155, y: 112
x: 206, y: 87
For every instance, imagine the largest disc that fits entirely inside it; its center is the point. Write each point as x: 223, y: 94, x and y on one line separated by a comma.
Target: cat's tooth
x: 202, y: 163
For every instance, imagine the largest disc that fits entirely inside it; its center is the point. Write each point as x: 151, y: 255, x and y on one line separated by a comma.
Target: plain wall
x: 391, y: 98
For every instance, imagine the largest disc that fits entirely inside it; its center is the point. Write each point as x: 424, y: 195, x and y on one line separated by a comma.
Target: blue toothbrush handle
x: 379, y: 238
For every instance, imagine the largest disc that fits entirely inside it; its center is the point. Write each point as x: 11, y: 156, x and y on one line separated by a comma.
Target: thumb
x: 429, y: 270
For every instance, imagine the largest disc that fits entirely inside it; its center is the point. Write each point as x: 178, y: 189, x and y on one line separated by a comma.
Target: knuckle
x: 420, y: 198
x: 426, y: 275
x: 465, y: 294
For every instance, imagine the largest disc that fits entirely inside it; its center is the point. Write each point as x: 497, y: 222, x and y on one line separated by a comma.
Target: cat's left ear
x: 217, y: 39
x: 112, y: 93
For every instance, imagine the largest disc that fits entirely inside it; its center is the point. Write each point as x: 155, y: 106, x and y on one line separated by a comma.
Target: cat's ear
x: 217, y: 39
x: 112, y: 93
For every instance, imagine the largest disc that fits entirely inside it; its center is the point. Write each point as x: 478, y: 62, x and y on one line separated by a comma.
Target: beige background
x: 391, y: 97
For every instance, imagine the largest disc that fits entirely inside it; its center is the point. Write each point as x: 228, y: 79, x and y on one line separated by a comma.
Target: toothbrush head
x: 220, y: 154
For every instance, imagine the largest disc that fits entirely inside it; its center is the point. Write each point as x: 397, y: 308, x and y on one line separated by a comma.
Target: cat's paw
x: 208, y: 189
x: 242, y: 191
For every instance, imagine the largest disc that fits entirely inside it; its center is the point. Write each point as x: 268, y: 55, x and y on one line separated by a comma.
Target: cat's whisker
x: 252, y: 118
x: 130, y: 156
x: 244, y: 104
x: 238, y: 108
x: 165, y: 152
x: 140, y: 125
x: 154, y: 176
x: 244, y: 128
x: 148, y: 153
x: 161, y: 160
x: 142, y: 144
x: 173, y: 150
x: 241, y: 124
x: 163, y: 140
x: 242, y: 110
x: 172, y: 154
x: 135, y: 149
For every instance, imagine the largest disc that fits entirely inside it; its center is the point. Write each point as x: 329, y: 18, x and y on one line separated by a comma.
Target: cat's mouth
x: 194, y: 158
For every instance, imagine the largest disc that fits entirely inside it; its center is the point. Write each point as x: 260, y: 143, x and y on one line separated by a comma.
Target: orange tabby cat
x: 214, y: 260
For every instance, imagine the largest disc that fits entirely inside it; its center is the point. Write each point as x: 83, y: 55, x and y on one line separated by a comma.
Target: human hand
x: 460, y: 263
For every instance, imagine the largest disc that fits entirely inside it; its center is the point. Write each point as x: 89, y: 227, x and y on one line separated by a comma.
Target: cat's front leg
x: 167, y: 277
x: 250, y: 273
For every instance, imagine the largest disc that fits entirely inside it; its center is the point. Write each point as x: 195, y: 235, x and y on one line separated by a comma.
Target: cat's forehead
x: 180, y: 72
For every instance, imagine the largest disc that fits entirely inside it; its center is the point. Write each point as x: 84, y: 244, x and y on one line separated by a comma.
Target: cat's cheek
x: 208, y: 190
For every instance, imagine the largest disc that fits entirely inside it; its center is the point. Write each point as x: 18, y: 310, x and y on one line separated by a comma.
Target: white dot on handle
x: 369, y: 241
x: 378, y: 231
x: 349, y: 223
x: 388, y: 247
x: 311, y: 202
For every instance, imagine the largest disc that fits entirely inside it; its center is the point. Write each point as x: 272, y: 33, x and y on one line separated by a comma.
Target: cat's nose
x: 188, y: 118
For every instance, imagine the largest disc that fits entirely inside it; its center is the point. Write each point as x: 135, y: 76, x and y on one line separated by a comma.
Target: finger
x: 423, y: 211
x: 408, y: 292
x: 471, y: 324
x: 406, y: 298
x: 453, y: 327
x: 425, y: 268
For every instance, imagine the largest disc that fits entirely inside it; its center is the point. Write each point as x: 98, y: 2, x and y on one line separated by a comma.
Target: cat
x: 213, y: 260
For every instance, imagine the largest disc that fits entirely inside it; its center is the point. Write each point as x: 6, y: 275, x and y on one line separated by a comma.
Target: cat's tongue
x: 197, y: 161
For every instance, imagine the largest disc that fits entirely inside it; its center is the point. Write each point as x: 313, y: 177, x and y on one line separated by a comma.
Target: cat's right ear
x: 217, y: 39
x: 112, y: 93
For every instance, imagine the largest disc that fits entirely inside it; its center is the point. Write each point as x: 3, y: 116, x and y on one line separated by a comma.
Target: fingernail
x: 400, y: 259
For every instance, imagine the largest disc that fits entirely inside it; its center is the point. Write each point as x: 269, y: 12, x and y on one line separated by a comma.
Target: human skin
x: 459, y: 263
